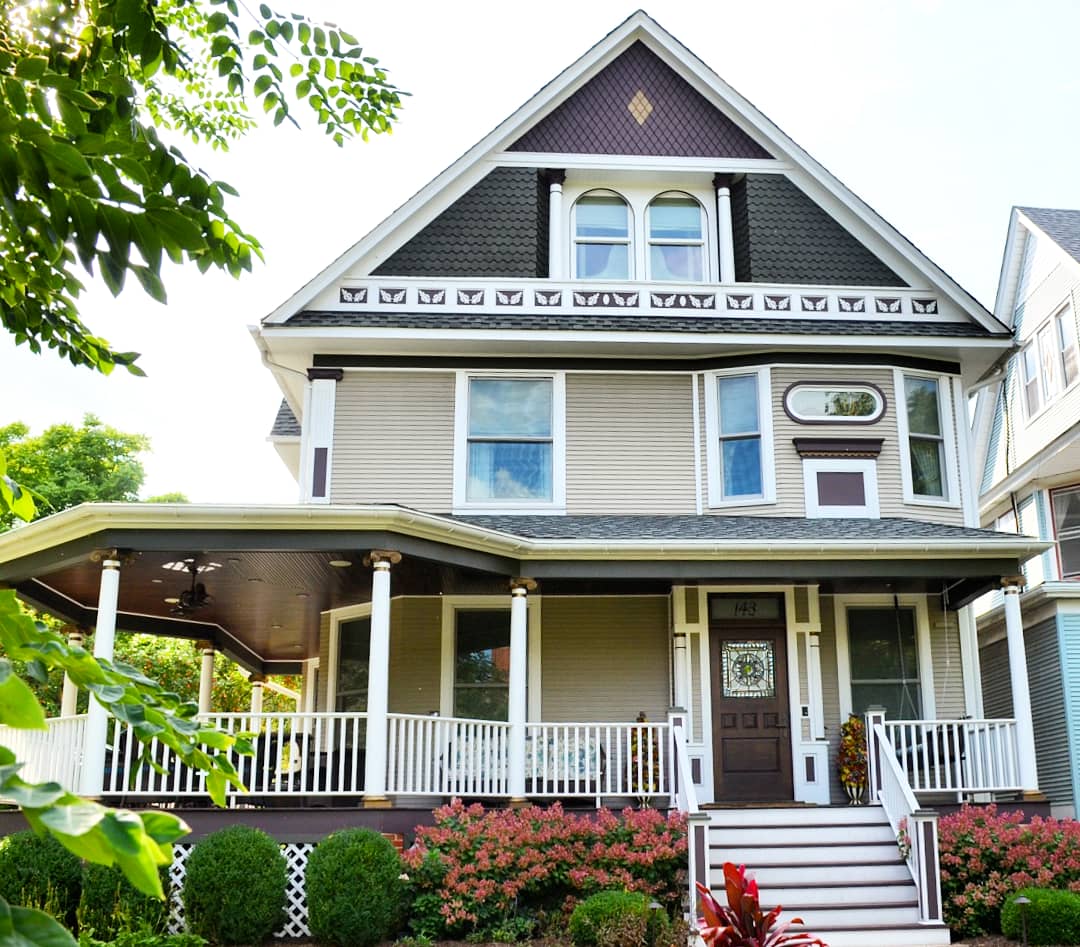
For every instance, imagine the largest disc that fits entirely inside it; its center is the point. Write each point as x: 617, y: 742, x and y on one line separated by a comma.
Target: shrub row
x: 478, y: 872
x: 1052, y: 917
x: 987, y: 856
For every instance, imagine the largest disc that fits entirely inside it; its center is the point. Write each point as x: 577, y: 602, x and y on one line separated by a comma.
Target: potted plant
x: 851, y: 759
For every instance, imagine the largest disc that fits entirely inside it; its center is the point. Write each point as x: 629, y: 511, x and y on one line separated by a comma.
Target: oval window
x: 834, y: 404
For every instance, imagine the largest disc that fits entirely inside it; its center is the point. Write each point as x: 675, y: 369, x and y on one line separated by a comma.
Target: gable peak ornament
x: 640, y: 107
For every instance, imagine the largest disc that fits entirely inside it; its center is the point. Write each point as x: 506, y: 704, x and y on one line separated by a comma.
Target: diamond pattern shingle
x: 597, y: 119
x: 497, y: 229
x: 782, y: 236
x: 612, y: 322
x: 285, y: 424
x: 1061, y: 226
x: 719, y: 528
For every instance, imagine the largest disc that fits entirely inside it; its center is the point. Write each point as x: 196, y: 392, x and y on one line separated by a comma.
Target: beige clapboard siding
x: 629, y: 444
x: 394, y: 439
x: 945, y: 651
x: 605, y: 658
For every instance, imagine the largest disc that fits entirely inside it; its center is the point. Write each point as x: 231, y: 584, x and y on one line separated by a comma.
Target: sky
x: 941, y: 114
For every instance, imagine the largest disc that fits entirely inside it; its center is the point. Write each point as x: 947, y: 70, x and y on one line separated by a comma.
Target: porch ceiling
x: 272, y: 574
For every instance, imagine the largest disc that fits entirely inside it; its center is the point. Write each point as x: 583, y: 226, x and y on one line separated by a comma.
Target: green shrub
x: 110, y: 905
x: 355, y: 894
x: 38, y: 872
x: 1053, y: 917
x: 234, y: 887
x: 142, y: 939
x: 617, y: 919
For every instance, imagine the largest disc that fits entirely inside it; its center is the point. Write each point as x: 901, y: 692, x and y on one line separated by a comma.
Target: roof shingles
x: 1061, y: 226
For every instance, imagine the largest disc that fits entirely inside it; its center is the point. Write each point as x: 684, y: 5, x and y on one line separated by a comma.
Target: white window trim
x: 712, y: 435
x: 337, y: 618
x: 451, y: 605
x: 841, y: 603
x: 557, y: 503
x: 951, y: 500
x: 868, y: 468
x: 638, y: 196
x: 1031, y: 341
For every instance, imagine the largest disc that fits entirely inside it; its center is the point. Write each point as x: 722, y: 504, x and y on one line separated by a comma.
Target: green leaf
x: 18, y: 705
x: 28, y: 927
x: 76, y: 819
x: 31, y: 796
x: 31, y: 67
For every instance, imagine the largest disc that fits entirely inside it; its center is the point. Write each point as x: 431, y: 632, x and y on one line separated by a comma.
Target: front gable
x: 639, y: 105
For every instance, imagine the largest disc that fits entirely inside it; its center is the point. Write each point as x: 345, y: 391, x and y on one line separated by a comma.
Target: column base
x: 1033, y: 795
x: 518, y: 802
x: 378, y: 802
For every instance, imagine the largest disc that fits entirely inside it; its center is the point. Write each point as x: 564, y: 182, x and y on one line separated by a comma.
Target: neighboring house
x: 1027, y: 433
x: 634, y: 407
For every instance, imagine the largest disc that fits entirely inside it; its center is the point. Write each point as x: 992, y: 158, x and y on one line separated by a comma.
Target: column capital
x: 390, y: 556
x: 325, y: 374
x: 555, y: 176
x: 522, y: 584
x: 113, y: 558
x: 1013, y: 584
x: 259, y: 679
x: 721, y: 179
x: 205, y: 645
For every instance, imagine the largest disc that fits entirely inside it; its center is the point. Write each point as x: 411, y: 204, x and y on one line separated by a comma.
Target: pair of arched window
x: 605, y: 236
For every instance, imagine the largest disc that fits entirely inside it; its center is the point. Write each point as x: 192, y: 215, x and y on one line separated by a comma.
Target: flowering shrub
x: 741, y: 922
x: 986, y: 856
x: 475, y: 870
x: 851, y: 757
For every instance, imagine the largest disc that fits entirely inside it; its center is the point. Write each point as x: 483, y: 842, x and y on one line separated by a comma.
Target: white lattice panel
x: 296, y: 915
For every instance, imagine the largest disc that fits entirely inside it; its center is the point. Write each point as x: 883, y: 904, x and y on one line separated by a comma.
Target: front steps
x: 837, y: 867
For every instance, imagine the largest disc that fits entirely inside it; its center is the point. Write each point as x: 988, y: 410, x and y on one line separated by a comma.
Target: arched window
x: 676, y: 239
x: 601, y: 236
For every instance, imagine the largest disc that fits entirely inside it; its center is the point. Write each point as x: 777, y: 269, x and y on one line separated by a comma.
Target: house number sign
x: 765, y: 607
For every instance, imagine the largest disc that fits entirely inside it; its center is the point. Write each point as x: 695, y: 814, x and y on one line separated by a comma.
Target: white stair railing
x: 915, y: 828
x: 684, y: 798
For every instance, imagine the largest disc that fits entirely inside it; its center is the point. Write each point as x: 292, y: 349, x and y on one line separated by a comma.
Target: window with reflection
x: 1066, y: 503
x: 510, y: 439
x: 676, y: 239
x: 602, y: 246
x: 847, y: 404
x: 740, y: 436
x: 926, y: 443
x: 354, y: 650
x: 884, y: 661
x: 482, y: 665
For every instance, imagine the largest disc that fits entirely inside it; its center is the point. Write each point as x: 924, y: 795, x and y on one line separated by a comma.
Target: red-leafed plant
x: 742, y: 923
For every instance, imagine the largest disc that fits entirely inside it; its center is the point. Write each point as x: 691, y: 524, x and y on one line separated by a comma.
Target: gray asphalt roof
x: 602, y: 527
x: 1062, y: 226
x: 612, y: 322
x: 285, y: 424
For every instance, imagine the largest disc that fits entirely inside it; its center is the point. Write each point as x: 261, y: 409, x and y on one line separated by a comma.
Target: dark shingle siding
x: 613, y: 322
x: 600, y: 527
x: 596, y: 119
x: 285, y: 424
x: 784, y: 237
x: 497, y: 229
x: 1061, y: 226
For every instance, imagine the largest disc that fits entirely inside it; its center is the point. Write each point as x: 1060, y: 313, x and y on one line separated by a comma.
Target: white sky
x: 941, y: 114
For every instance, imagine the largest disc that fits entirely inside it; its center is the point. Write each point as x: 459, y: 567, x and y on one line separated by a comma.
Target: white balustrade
x: 957, y: 756
x: 53, y: 755
x: 447, y: 756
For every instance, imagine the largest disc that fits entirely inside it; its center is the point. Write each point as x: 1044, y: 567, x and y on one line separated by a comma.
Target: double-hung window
x: 510, y: 442
x: 676, y: 239
x: 602, y: 247
x: 926, y: 432
x: 1066, y: 503
x: 1050, y: 362
x: 739, y: 427
x: 482, y: 664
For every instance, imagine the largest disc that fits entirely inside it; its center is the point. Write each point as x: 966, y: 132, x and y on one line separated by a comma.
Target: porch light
x: 302, y: 595
x: 340, y: 563
x: 172, y: 600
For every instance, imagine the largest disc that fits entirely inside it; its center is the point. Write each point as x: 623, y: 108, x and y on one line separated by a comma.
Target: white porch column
x: 970, y: 665
x: 257, y: 681
x: 518, y: 682
x: 725, y: 240
x: 206, y: 676
x: 814, y: 687
x: 70, y: 699
x: 95, y: 736
x: 378, y: 678
x: 556, y: 264
x: 680, y: 671
x: 1018, y: 677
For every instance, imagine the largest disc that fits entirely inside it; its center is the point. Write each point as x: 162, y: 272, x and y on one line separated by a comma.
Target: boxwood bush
x: 110, y: 905
x: 1053, y: 917
x: 38, y: 872
x: 234, y: 887
x: 617, y: 919
x: 355, y: 894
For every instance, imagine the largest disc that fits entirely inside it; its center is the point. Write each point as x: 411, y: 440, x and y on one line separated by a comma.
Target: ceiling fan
x: 194, y: 598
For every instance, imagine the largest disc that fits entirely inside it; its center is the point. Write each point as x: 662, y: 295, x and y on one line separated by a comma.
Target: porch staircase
x: 837, y: 867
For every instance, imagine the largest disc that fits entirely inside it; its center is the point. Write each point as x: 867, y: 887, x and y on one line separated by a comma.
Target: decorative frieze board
x: 753, y: 300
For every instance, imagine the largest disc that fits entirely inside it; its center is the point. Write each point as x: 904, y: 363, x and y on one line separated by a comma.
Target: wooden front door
x: 750, y: 704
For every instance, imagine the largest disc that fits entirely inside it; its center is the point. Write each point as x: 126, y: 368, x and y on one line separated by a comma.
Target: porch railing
x: 446, y: 756
x: 957, y: 756
x: 915, y: 828
x: 53, y: 755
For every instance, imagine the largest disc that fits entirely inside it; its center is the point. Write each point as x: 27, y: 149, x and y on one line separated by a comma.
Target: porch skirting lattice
x: 296, y: 913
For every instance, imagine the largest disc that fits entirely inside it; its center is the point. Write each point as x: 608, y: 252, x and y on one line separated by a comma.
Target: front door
x: 751, y: 736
